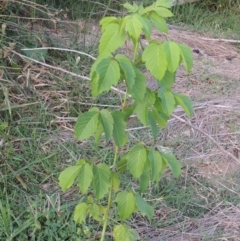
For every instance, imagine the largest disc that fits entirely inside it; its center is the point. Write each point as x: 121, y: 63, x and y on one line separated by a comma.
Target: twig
x: 64, y: 71
x: 62, y: 49
x: 50, y: 66
x: 210, y: 138
x: 222, y: 40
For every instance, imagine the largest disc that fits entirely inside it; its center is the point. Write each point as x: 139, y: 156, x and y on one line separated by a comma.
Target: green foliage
x: 121, y: 232
x: 153, y: 109
x: 126, y: 204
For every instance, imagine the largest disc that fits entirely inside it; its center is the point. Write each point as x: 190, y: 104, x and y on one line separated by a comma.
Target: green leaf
x: 122, y: 165
x: 106, y: 21
x: 164, y: 3
x: 126, y: 204
x: 127, y: 112
x: 164, y: 166
x: 161, y: 116
x: 145, y: 178
x: 186, y: 55
x: 96, y: 63
x: 119, y: 126
x: 107, y: 74
x: 86, y: 125
x: 136, y: 160
x: 67, y: 177
x: 147, y: 27
x: 167, y: 81
x: 115, y: 181
x: 152, y: 121
x: 163, y: 12
x: 98, y: 133
x: 139, y: 88
x: 168, y: 101
x: 142, y: 113
x: 94, y: 212
x: 101, y: 180
x: 185, y: 102
x: 155, y: 59
x: 85, y: 177
x: 149, y: 9
x: 142, y: 108
x: 134, y: 27
x: 159, y: 23
x: 122, y: 233
x: 131, y: 8
x: 144, y: 207
x: 172, y: 53
x: 156, y: 164
x: 80, y: 213
x: 106, y: 120
x: 173, y: 164
x: 127, y: 68
x: 112, y: 38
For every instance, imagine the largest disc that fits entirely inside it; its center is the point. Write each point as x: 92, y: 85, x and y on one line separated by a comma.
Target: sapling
x: 101, y: 184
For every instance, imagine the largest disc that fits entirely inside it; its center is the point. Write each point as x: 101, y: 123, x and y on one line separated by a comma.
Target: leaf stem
x: 109, y: 199
x: 125, y: 99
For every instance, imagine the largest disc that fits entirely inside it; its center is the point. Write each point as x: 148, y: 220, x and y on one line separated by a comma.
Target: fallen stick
x: 210, y: 138
x: 222, y: 40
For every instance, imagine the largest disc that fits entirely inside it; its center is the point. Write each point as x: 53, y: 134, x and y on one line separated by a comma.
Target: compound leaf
x: 101, y: 180
x: 86, y: 125
x: 136, y: 160
x: 125, y: 204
